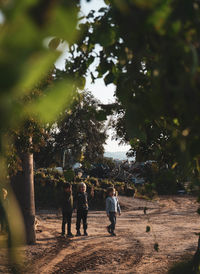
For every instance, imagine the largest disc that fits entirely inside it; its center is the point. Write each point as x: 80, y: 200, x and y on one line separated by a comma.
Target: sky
x: 102, y: 92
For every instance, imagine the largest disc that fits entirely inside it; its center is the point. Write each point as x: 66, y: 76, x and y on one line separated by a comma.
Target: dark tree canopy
x: 150, y: 50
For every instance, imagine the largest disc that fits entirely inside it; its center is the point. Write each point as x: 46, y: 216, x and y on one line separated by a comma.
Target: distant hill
x: 121, y: 155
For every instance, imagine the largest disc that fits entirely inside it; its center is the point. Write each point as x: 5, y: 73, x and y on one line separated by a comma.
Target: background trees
x: 78, y: 133
x: 150, y: 51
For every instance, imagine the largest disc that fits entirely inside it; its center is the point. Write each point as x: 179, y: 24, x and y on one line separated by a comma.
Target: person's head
x: 4, y: 193
x: 82, y: 187
x: 67, y: 187
x: 115, y: 192
x: 110, y: 191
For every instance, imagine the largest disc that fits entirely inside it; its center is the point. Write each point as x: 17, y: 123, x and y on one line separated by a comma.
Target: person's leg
x: 78, y: 222
x: 69, y: 221
x: 109, y: 226
x: 112, y: 218
x: 85, y: 213
x: 64, y: 219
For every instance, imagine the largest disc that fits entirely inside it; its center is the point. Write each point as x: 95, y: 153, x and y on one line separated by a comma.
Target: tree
x: 150, y: 51
x: 25, y: 181
x: 26, y: 140
x: 79, y: 132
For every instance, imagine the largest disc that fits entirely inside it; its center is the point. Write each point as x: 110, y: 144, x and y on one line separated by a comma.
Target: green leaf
x: 145, y: 210
x: 107, y: 38
x: 64, y: 23
x: 90, y: 61
x: 53, y: 102
x: 145, y: 4
x: 102, y: 10
x: 35, y: 69
x: 176, y: 121
x: 109, y: 79
x: 148, y: 228
x: 156, y: 247
x: 159, y: 17
x: 54, y: 43
x: 101, y: 115
x: 81, y: 83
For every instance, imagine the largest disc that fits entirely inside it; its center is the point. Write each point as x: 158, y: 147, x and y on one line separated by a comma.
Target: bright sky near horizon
x: 102, y: 92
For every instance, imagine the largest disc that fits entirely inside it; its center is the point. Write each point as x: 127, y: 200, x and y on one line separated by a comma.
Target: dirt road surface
x: 173, y: 222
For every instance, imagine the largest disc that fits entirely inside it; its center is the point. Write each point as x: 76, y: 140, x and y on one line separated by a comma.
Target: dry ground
x: 173, y: 221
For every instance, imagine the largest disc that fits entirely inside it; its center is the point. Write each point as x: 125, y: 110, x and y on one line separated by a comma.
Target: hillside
x: 121, y: 155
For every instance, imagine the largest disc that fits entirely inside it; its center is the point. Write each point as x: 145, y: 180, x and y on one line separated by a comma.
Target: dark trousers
x: 66, y: 218
x: 112, y: 218
x: 3, y: 220
x: 81, y: 215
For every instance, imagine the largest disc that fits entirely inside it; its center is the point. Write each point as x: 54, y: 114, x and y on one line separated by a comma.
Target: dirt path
x: 173, y: 223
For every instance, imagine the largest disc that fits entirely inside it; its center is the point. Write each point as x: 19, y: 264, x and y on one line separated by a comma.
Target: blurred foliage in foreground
x: 31, y: 32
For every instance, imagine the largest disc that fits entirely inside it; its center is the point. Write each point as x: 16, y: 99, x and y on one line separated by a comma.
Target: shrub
x: 105, y: 183
x: 48, y: 188
x: 165, y: 182
x: 120, y: 187
x: 94, y: 181
x: 69, y: 175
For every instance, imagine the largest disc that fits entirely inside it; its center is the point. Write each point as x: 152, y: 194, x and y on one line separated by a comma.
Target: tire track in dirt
x: 43, y: 258
x: 82, y: 254
x: 174, y: 221
x: 99, y: 253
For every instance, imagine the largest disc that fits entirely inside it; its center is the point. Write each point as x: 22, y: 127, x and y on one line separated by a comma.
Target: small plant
x: 69, y: 175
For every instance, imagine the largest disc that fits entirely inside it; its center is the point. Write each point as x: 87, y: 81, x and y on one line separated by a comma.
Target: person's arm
x: 118, y: 206
x: 61, y: 201
x: 86, y: 200
x: 75, y: 200
x: 72, y: 202
x: 107, y: 206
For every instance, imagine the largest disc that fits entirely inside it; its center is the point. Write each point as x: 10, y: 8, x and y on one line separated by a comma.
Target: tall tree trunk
x: 28, y: 202
x: 23, y: 185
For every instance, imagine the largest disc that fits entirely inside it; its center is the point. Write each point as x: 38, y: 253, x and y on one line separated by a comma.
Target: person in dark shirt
x: 82, y: 209
x: 67, y: 209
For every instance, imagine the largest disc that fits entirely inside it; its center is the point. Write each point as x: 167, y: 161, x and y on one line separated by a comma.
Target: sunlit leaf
x: 81, y: 83
x: 176, y: 121
x: 159, y: 17
x: 53, y: 102
x: 174, y: 165
x: 35, y: 70
x: 54, y: 43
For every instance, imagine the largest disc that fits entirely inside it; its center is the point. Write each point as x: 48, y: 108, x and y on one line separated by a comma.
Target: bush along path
x: 49, y: 183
